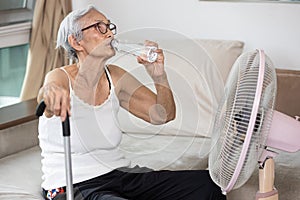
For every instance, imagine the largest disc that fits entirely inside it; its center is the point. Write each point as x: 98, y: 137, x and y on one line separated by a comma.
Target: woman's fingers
x: 57, y: 101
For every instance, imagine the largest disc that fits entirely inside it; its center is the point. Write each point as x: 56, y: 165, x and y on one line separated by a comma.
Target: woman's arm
x: 55, y: 93
x: 156, y: 108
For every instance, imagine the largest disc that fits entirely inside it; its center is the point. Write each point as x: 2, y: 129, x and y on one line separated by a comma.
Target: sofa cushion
x: 166, y: 152
x: 197, y: 70
x: 21, y: 174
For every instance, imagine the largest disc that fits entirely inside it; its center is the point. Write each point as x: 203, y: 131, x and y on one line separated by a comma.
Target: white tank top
x: 95, y: 139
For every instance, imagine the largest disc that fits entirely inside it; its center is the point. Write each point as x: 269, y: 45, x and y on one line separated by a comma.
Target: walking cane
x: 67, y: 148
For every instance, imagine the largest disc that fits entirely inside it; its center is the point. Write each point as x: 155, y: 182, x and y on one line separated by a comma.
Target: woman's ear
x: 74, y: 43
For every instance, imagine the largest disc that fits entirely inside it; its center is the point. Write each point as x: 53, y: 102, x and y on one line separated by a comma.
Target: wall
x: 273, y: 27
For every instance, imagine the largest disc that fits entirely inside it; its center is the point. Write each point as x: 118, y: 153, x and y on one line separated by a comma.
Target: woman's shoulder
x: 115, y: 68
x: 120, y: 76
x: 116, y: 72
x: 59, y: 70
x: 61, y: 75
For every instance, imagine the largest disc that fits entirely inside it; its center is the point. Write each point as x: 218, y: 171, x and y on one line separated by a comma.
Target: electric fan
x: 247, y: 130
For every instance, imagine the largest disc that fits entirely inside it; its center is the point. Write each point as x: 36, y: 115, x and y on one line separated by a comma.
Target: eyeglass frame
x: 96, y: 25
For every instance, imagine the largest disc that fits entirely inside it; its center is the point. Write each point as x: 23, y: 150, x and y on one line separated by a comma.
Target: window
x: 12, y: 71
x: 15, y: 25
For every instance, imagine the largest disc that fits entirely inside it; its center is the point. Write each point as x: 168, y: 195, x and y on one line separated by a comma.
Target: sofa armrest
x: 18, y: 127
x: 288, y: 95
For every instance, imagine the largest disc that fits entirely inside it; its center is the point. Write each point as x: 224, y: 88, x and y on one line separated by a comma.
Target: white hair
x: 71, y: 26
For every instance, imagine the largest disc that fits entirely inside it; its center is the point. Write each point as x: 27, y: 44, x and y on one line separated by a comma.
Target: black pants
x: 143, y: 184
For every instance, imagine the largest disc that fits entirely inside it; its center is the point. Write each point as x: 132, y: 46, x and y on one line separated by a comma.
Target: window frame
x: 12, y: 16
x: 15, y: 34
x: 15, y: 25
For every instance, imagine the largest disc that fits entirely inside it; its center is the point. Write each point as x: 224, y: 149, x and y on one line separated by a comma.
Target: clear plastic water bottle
x: 135, y: 49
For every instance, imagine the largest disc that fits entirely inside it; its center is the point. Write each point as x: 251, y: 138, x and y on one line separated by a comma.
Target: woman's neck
x: 87, y: 79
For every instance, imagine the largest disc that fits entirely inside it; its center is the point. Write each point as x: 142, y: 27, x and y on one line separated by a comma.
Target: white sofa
x: 197, y: 70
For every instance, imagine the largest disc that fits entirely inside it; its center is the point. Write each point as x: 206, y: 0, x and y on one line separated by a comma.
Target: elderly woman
x: 91, y: 92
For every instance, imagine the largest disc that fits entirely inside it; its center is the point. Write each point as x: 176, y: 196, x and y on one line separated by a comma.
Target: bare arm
x: 55, y: 93
x: 156, y: 108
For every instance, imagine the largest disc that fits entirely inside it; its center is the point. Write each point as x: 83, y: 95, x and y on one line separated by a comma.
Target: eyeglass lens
x: 103, y: 27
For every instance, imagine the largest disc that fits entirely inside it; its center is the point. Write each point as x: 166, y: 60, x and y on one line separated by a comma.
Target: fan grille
x: 233, y: 116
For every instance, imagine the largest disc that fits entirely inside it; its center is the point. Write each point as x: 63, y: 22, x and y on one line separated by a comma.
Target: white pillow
x: 197, y: 70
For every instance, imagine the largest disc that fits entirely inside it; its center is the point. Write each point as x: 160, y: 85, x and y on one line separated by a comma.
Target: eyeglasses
x: 102, y: 27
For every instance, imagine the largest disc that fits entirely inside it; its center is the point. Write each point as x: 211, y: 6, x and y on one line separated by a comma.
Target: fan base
x: 267, y: 190
x: 273, y: 195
